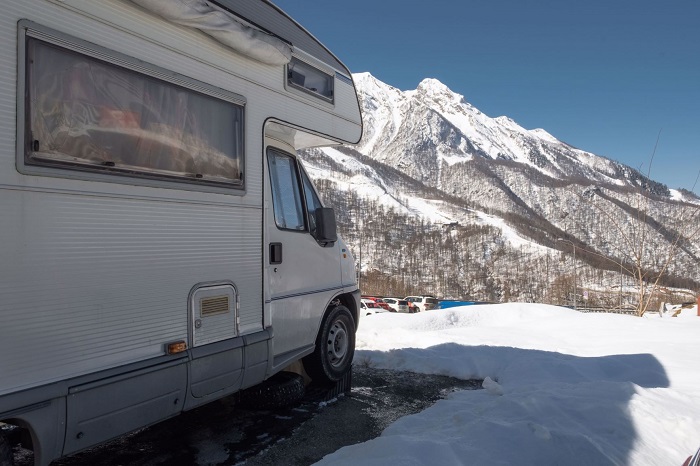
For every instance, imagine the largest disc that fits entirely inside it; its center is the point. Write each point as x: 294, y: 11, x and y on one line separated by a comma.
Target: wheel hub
x: 337, y: 343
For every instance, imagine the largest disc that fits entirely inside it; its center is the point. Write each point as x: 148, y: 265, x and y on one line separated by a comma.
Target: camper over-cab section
x: 162, y: 246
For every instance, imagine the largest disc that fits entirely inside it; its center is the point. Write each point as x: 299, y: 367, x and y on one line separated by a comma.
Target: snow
x: 543, y: 134
x: 372, y: 187
x: 676, y: 195
x: 492, y: 135
x: 510, y: 234
x: 454, y: 159
x: 560, y: 387
x: 386, y: 102
x: 395, y: 119
x: 369, y: 184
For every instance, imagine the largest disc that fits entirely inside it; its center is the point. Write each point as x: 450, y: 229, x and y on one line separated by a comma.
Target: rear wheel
x: 335, y: 347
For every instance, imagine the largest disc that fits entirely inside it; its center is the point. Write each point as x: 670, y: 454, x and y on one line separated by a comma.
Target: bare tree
x: 641, y: 252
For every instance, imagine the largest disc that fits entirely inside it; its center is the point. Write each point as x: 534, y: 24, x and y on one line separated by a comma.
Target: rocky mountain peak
x: 432, y: 125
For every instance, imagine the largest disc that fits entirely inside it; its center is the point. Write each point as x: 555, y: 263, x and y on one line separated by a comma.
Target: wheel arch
x: 38, y: 431
x: 349, y: 300
x: 334, y: 348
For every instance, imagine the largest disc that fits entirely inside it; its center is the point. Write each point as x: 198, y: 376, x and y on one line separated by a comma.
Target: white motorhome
x: 161, y: 246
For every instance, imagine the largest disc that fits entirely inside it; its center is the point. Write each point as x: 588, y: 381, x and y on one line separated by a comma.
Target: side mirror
x: 325, y: 225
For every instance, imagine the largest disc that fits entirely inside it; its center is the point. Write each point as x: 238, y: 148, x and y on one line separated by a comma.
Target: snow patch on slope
x: 510, y: 234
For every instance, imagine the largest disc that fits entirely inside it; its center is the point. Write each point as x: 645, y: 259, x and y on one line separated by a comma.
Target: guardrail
x: 630, y: 312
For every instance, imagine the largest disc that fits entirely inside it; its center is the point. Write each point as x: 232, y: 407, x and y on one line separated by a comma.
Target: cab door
x: 303, y: 274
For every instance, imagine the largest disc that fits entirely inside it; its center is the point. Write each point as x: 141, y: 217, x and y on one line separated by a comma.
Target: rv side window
x: 88, y: 114
x: 286, y: 195
x: 303, y: 76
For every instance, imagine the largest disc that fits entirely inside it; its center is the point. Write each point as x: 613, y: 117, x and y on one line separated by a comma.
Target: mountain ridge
x: 439, y: 168
x: 467, y: 132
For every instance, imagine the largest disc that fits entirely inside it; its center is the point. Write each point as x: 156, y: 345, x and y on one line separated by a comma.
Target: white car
x: 369, y: 307
x: 398, y: 305
x: 424, y: 303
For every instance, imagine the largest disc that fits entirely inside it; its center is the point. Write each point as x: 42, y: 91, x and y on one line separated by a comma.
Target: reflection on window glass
x: 309, y: 79
x: 89, y: 113
x: 286, y: 197
x: 312, y: 202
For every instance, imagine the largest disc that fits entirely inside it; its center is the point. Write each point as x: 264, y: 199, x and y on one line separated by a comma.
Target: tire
x: 279, y: 391
x: 335, y: 347
x: 6, y: 454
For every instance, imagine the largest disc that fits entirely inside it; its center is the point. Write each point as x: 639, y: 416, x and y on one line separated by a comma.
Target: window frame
x: 294, y: 165
x: 299, y: 89
x: 310, y: 197
x: 28, y: 30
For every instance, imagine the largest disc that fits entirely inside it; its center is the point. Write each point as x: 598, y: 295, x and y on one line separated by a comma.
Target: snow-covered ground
x: 561, y: 387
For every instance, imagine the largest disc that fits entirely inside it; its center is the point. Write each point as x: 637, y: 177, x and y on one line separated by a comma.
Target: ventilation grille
x: 215, y: 305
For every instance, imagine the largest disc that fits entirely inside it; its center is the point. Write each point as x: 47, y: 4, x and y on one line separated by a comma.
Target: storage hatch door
x: 214, y: 314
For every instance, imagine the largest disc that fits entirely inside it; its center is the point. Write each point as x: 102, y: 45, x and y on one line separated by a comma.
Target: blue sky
x: 605, y: 76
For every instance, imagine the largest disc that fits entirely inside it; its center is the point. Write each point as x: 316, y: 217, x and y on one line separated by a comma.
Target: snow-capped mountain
x: 430, y: 127
x: 432, y: 172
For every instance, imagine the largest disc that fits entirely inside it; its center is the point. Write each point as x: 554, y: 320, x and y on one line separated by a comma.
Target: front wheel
x: 335, y: 347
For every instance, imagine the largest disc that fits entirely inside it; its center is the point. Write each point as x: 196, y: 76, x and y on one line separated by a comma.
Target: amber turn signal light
x: 175, y: 347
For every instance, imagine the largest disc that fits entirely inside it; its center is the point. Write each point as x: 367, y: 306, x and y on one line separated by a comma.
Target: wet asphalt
x: 223, y: 433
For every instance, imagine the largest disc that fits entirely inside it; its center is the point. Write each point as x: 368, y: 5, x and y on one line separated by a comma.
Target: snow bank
x: 560, y: 387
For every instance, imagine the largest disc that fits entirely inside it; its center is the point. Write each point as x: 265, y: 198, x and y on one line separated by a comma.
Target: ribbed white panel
x: 92, y: 282
x: 8, y: 97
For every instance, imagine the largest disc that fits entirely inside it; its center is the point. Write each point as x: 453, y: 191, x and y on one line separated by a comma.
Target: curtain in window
x: 90, y: 112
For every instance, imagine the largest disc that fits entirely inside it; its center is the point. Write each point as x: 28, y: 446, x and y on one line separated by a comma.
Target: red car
x: 379, y: 301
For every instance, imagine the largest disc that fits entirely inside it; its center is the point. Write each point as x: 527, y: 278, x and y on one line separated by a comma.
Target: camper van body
x: 161, y: 246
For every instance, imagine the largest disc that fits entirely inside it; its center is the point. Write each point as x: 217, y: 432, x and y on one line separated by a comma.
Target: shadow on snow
x: 541, y: 407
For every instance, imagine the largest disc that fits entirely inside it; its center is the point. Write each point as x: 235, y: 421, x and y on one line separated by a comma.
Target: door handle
x: 275, y: 253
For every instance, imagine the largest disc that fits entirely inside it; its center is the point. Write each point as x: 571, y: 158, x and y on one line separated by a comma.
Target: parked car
x: 379, y: 301
x: 398, y: 305
x: 369, y: 307
x: 424, y: 303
